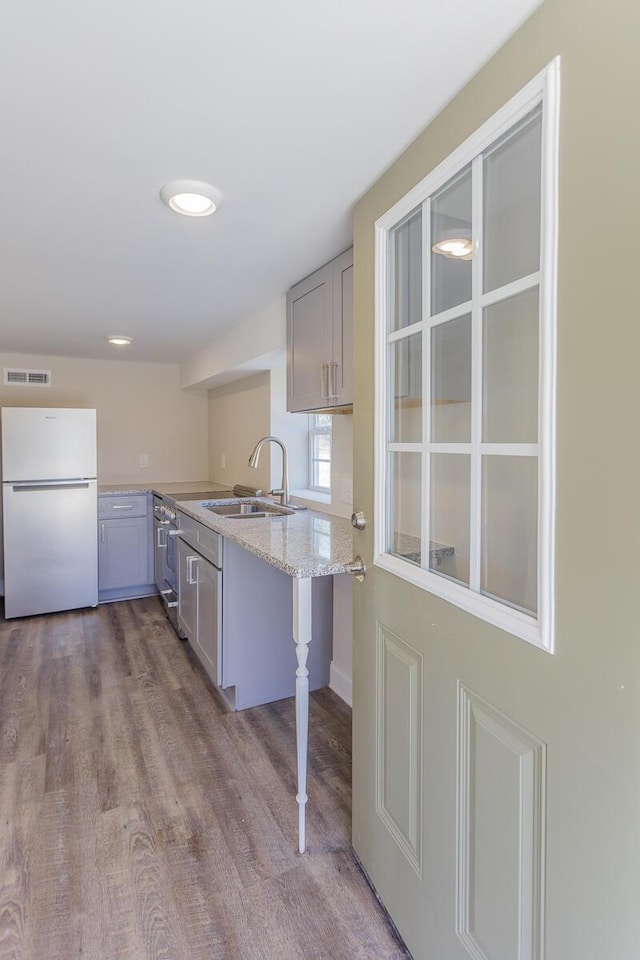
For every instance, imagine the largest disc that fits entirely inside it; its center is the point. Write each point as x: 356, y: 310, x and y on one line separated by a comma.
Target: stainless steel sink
x: 247, y: 511
x: 229, y: 509
x: 249, y: 516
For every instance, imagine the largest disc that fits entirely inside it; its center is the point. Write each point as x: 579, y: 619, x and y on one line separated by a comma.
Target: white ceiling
x: 291, y: 108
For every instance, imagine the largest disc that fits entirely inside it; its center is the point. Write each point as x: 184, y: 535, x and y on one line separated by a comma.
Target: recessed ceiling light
x: 118, y: 341
x: 192, y: 198
x: 456, y: 245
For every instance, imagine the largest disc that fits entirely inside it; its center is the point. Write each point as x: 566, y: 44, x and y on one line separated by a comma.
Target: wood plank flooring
x: 139, y: 819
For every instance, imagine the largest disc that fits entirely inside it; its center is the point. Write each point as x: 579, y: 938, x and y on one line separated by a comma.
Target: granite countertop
x: 192, y: 486
x: 303, y: 544
x: 307, y: 543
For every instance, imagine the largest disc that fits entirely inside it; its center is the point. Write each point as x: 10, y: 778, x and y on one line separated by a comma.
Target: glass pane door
x: 510, y: 370
x: 451, y: 244
x: 406, y: 273
x: 465, y: 339
x: 404, y: 538
x: 510, y: 530
x: 511, y: 204
x: 451, y: 381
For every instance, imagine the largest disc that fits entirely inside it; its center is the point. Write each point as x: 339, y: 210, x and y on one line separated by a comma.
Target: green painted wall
x: 584, y: 701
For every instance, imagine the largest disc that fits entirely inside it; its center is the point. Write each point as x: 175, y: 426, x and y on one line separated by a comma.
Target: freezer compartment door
x: 50, y: 547
x: 48, y: 443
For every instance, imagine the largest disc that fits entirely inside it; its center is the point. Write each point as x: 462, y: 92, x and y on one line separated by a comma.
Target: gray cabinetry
x: 258, y: 656
x: 209, y: 596
x: 342, y: 315
x: 320, y: 338
x: 125, y: 559
x: 187, y: 591
x: 236, y: 610
x: 200, y: 592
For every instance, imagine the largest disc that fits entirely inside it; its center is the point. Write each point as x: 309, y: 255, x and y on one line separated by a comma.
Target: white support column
x: 302, y: 638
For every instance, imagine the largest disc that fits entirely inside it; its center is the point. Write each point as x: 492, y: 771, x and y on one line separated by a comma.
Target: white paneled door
x: 453, y: 655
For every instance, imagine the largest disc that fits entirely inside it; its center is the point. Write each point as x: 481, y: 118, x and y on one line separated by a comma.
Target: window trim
x: 314, y: 431
x: 544, y: 88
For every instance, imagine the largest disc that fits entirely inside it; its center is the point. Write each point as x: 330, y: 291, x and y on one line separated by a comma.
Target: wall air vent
x: 26, y: 378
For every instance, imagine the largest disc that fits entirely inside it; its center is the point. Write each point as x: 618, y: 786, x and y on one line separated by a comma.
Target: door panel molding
x: 399, y: 742
x: 500, y: 833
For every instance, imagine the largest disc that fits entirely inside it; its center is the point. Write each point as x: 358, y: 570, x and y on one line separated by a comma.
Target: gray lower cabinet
x: 209, y: 616
x: 125, y: 557
x: 199, y: 606
x: 187, y: 592
x: 258, y: 652
x: 320, y: 338
x: 236, y: 610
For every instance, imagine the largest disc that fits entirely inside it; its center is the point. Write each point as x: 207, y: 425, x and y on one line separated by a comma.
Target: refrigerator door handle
x: 50, y: 485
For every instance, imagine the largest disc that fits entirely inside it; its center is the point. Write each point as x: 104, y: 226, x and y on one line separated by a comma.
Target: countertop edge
x: 162, y: 488
x: 299, y: 521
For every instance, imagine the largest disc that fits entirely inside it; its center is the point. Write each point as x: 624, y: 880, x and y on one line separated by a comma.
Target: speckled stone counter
x: 409, y: 548
x: 192, y: 486
x: 303, y: 544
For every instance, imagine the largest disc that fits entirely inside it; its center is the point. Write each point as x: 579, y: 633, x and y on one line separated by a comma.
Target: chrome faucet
x: 283, y: 492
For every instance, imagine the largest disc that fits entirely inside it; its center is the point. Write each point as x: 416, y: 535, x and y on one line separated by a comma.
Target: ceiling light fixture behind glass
x: 455, y: 245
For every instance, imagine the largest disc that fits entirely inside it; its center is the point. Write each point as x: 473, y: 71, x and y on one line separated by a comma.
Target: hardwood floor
x: 138, y: 819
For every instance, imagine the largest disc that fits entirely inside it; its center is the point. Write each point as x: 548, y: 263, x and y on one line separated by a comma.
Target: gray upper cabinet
x: 342, y: 270
x: 320, y: 338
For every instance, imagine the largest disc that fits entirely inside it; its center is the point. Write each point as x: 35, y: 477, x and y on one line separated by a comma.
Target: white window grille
x: 320, y: 452
x: 465, y: 371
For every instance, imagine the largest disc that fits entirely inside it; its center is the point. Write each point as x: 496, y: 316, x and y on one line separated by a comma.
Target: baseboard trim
x: 127, y: 593
x: 341, y: 683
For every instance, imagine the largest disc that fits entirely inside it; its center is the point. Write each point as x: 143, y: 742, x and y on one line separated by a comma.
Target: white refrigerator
x: 49, y: 505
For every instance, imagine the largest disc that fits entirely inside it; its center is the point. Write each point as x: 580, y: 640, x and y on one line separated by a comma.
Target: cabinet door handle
x: 102, y: 533
x: 159, y: 542
x: 334, y: 380
x: 324, y: 381
x: 190, y: 562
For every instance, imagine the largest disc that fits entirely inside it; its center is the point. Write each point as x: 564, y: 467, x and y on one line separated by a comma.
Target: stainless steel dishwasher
x: 164, y: 565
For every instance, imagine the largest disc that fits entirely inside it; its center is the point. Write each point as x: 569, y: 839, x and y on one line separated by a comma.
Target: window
x: 320, y: 452
x: 465, y: 371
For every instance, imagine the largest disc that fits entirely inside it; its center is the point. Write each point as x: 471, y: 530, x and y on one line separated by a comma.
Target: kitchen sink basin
x: 254, y: 515
x: 247, y: 511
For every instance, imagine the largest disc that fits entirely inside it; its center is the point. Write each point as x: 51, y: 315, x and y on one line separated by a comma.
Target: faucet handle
x: 280, y: 492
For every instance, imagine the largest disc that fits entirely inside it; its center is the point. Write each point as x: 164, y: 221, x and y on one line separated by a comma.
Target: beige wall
x: 239, y: 414
x: 242, y: 412
x: 254, y: 344
x: 141, y: 410
x: 341, y: 462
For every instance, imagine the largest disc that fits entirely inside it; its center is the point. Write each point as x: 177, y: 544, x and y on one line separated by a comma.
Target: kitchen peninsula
x: 303, y: 545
